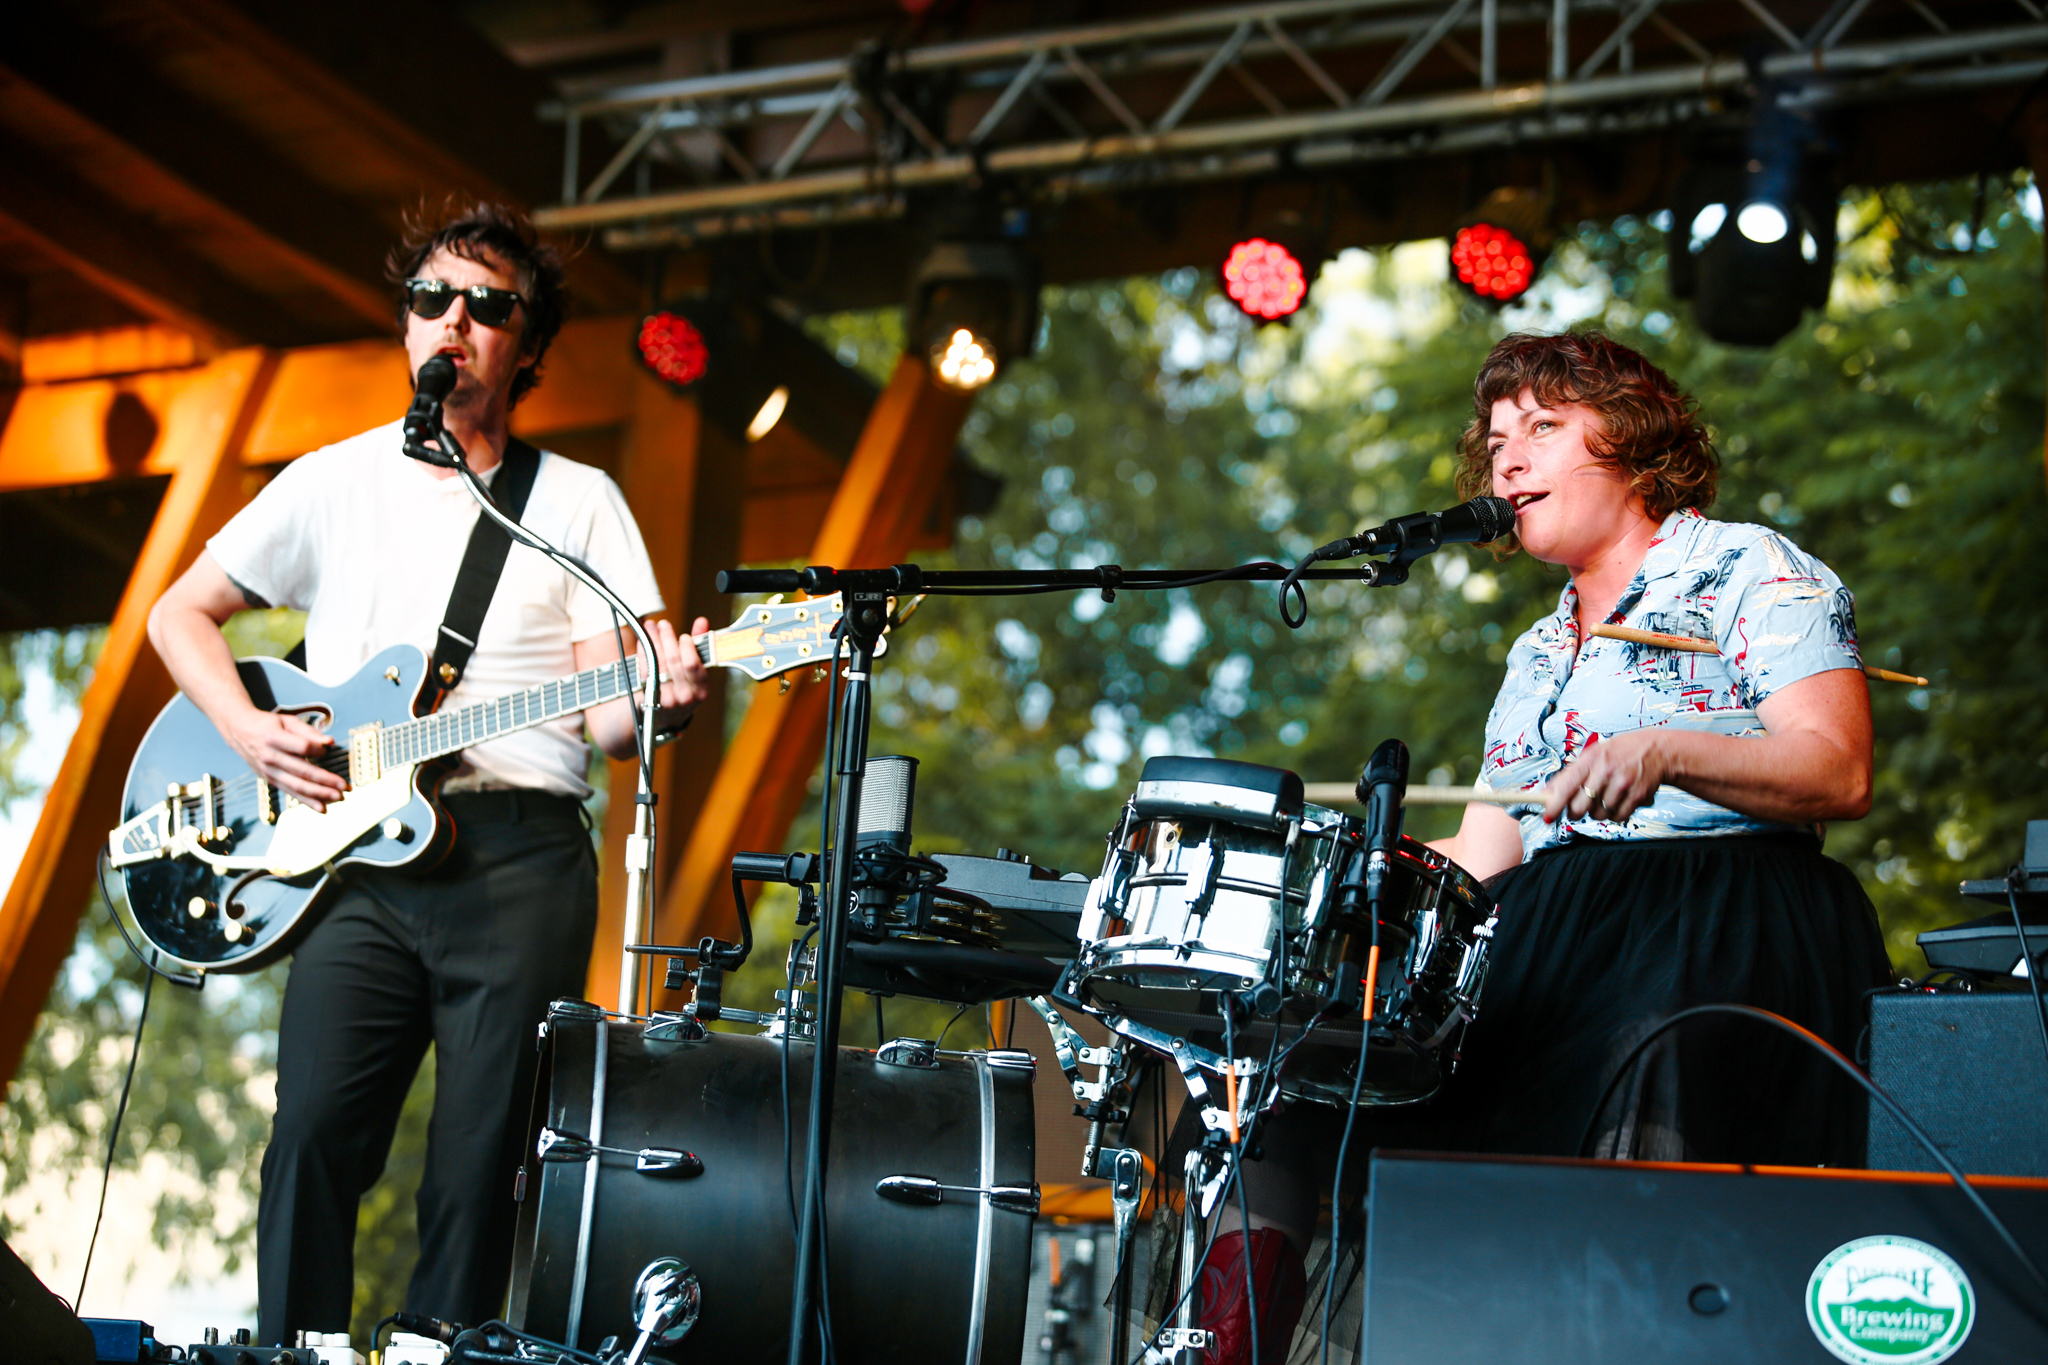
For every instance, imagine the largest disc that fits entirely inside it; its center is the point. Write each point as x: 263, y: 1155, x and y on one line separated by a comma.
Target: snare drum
x: 1221, y: 878
x: 643, y: 1145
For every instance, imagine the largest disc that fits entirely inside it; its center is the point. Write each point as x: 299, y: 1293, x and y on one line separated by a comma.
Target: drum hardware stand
x: 866, y: 596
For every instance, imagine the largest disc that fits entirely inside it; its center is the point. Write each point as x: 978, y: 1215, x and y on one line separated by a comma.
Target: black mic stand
x: 866, y: 613
x: 426, y: 420
x: 866, y: 594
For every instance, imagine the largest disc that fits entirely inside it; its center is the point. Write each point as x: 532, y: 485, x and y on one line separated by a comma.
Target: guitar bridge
x: 189, y: 817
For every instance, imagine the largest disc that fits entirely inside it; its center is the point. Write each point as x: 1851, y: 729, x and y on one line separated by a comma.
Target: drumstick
x: 1692, y: 644
x: 1337, y: 793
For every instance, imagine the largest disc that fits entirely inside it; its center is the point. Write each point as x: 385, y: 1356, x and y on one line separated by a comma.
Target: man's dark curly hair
x: 493, y: 235
x: 1653, y: 431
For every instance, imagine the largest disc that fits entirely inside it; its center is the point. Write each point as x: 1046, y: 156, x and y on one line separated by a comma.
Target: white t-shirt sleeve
x: 604, y: 526
x: 273, y: 548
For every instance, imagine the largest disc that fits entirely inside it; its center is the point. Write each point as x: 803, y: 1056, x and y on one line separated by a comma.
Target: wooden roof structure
x: 196, y: 198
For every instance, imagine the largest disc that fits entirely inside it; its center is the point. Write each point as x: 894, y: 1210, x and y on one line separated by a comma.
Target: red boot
x: 1281, y: 1284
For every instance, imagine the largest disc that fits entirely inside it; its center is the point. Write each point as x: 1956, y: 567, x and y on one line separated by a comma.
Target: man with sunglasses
x: 466, y: 957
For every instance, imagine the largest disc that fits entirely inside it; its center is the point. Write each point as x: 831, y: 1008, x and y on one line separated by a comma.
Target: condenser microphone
x: 1469, y: 523
x: 888, y: 788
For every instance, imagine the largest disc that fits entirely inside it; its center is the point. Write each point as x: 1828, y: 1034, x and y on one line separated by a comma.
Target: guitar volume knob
x: 397, y: 829
x: 198, y: 907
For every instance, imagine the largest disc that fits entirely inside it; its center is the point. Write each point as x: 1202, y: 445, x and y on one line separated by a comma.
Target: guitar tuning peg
x: 774, y: 601
x: 817, y: 674
x: 783, y: 690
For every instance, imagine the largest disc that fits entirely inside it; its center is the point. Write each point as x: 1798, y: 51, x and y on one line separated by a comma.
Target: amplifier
x: 1477, y: 1261
x: 1969, y: 1068
x: 36, y: 1325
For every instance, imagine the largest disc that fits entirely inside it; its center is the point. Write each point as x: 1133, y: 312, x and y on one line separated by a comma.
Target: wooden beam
x: 205, y: 425
x: 157, y: 149
x: 881, y: 503
x: 317, y: 396
x: 77, y: 232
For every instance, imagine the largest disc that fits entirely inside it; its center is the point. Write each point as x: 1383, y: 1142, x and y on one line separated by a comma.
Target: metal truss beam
x: 1114, y: 72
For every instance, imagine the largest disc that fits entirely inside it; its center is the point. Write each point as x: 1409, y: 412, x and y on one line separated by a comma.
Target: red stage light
x: 1264, y: 278
x: 1492, y: 262
x: 673, y: 348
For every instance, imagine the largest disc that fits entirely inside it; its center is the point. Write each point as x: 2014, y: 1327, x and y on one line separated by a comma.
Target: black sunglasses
x: 491, y: 307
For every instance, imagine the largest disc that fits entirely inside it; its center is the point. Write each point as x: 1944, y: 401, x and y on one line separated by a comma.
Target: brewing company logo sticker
x: 1890, y: 1301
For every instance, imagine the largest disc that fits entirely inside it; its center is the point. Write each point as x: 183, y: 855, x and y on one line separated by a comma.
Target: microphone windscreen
x: 436, y: 378
x: 1496, y: 518
x: 888, y: 786
x: 1389, y: 763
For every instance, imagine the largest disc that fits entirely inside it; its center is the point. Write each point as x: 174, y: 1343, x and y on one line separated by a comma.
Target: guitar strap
x: 483, y: 561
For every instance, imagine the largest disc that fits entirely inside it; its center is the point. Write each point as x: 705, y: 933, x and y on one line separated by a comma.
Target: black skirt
x: 1599, y: 942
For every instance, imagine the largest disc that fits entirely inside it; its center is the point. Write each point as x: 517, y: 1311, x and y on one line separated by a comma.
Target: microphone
x: 433, y: 384
x: 1469, y: 523
x: 888, y: 788
x: 1381, y: 787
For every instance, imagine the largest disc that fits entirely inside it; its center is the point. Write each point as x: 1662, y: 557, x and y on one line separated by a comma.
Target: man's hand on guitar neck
x: 684, y: 684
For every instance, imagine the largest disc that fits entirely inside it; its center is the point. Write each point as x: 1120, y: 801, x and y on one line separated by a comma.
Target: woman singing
x: 1669, y: 854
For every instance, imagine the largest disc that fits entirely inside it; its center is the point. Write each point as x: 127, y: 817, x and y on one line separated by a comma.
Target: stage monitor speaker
x: 1479, y: 1261
x: 36, y: 1327
x: 1970, y: 1070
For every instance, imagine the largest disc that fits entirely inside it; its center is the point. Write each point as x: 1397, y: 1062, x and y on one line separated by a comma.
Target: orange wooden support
x: 883, y: 499
x: 205, y: 425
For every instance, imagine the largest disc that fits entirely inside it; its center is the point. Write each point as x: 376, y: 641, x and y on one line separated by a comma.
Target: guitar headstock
x: 774, y: 637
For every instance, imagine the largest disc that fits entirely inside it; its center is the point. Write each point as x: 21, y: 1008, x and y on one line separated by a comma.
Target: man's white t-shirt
x: 367, y: 542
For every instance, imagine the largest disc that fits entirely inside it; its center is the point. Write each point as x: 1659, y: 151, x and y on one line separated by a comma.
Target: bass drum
x: 907, y: 1281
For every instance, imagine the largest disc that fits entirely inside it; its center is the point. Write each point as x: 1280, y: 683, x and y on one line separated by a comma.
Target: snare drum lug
x: 921, y: 1053
x: 668, y: 1163
x: 674, y: 1028
x: 1012, y: 1059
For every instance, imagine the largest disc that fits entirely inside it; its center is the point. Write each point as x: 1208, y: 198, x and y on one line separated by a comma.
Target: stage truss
x: 1311, y: 85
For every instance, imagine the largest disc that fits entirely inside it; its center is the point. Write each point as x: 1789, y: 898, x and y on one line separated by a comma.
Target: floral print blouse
x: 1777, y: 614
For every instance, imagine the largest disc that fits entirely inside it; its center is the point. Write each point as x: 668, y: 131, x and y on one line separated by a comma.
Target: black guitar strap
x: 483, y: 561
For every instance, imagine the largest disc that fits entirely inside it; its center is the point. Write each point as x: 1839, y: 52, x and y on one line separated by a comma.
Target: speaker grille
x: 1970, y: 1070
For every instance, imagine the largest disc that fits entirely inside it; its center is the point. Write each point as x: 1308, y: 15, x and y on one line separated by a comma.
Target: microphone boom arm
x: 640, y: 844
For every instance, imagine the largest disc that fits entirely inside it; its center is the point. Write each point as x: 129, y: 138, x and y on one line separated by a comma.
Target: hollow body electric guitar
x: 225, y: 872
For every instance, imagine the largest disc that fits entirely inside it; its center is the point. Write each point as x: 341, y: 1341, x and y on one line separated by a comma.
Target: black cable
x: 1244, y: 1208
x: 2015, y: 877
x: 1292, y: 584
x: 113, y: 1137
x: 949, y: 1025
x: 1371, y: 983
x: 190, y: 982
x: 789, y: 1027
x: 1854, y: 1073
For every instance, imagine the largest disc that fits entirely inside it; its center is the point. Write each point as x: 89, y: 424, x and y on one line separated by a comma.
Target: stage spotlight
x: 709, y: 346
x: 1753, y: 233
x: 1264, y: 278
x: 1498, y: 248
x: 973, y: 308
x: 672, y: 346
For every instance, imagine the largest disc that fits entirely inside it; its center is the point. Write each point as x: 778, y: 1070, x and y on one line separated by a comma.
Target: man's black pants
x: 466, y: 958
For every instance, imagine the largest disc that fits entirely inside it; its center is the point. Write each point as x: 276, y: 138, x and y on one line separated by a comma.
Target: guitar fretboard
x: 447, y: 732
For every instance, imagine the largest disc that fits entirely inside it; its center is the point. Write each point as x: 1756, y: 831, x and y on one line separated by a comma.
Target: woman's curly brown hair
x: 1653, y: 431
